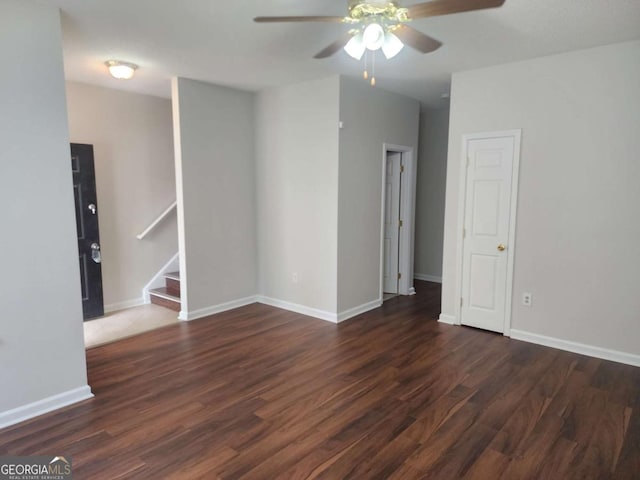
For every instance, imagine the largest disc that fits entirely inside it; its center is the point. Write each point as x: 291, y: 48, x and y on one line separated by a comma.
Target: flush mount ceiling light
x: 121, y: 70
x: 382, y: 25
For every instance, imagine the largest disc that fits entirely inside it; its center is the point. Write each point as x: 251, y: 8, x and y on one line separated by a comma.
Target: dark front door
x: 84, y: 191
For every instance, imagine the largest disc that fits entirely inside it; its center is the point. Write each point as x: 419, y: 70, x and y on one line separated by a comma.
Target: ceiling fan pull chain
x: 365, y: 75
x: 373, y: 69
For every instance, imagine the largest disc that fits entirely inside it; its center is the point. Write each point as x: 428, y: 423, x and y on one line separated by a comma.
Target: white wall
x: 579, y: 198
x: 133, y: 147
x: 371, y: 117
x: 430, y: 192
x: 41, y: 342
x: 297, y: 191
x: 215, y: 184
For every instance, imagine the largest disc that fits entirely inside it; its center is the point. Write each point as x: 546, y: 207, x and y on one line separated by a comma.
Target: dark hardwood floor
x: 263, y: 393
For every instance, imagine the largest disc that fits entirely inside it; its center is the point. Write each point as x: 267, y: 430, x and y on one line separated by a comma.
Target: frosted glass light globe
x: 392, y: 45
x: 355, y: 47
x: 373, y: 36
x: 121, y: 70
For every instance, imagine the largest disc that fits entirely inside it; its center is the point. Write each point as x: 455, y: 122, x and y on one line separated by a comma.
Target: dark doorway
x: 84, y: 192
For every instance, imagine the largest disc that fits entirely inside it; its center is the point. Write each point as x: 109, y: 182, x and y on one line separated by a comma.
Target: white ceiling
x: 218, y: 42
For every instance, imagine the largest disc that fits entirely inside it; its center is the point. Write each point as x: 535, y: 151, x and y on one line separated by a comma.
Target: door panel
x: 486, y: 208
x: 483, y: 282
x: 86, y: 205
x: 392, y: 222
x: 486, y: 224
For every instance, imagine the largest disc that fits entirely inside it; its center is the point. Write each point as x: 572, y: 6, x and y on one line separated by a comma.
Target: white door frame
x: 393, y: 190
x: 517, y: 135
x: 408, y: 211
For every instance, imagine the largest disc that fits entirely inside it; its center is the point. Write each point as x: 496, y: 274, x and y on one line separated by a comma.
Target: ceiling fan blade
x: 445, y: 7
x: 315, y: 18
x: 415, y: 39
x: 335, y: 46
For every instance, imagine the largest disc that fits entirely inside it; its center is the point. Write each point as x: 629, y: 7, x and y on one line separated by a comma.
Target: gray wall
x: 297, y: 167
x: 133, y: 147
x: 41, y: 342
x: 319, y: 189
x: 430, y: 192
x: 579, y: 196
x: 215, y: 184
x: 371, y: 117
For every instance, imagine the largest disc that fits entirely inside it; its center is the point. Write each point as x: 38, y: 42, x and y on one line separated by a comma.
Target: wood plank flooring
x: 261, y: 393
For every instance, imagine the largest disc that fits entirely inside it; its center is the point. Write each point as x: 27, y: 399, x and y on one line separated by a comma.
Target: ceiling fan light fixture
x: 121, y: 70
x: 355, y: 47
x: 373, y: 36
x: 391, y: 46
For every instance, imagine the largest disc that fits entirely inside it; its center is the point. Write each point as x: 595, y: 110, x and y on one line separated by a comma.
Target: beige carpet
x: 125, y: 323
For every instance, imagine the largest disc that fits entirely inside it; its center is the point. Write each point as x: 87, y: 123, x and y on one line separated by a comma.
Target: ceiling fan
x: 380, y: 24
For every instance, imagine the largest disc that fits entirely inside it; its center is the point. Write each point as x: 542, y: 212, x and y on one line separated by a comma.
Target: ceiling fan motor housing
x: 382, y: 4
x: 362, y: 10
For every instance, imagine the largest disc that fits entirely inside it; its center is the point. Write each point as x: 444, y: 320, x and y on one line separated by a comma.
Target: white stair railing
x: 155, y: 223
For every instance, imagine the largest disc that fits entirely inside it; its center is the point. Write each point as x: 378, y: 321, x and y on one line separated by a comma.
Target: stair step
x: 172, y: 286
x: 163, y: 293
x: 172, y: 282
x: 164, y: 298
x: 173, y: 276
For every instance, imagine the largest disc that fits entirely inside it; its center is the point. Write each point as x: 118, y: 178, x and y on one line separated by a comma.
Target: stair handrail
x: 157, y: 220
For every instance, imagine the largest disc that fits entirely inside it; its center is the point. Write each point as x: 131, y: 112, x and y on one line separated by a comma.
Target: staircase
x: 169, y: 295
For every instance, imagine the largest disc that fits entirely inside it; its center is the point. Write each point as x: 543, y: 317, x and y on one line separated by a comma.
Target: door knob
x: 501, y: 247
x: 92, y: 208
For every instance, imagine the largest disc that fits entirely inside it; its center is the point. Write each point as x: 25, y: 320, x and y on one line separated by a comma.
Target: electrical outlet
x: 294, y: 277
x: 527, y: 299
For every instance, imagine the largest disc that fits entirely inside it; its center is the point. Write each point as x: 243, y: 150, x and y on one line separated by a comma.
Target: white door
x: 487, y: 231
x: 392, y: 221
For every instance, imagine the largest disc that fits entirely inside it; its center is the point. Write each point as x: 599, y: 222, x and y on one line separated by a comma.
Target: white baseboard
x: 302, y: 309
x: 46, y: 405
x: 355, y: 311
x: 114, y: 307
x: 412, y: 291
x: 427, y: 278
x: 158, y: 279
x: 212, y: 310
x: 448, y: 319
x: 581, y: 348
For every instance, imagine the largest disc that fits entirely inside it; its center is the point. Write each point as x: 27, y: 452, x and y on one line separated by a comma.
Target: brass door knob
x: 501, y: 247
